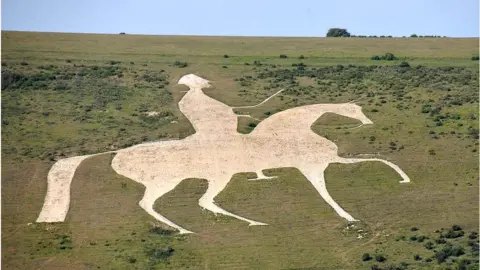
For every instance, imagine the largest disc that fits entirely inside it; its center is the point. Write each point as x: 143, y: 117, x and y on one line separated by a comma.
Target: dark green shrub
x: 24, y: 63
x: 225, y: 56
x: 122, y: 33
x: 475, y: 58
x: 380, y: 258
x: 283, y: 56
x: 301, y: 57
x: 389, y: 57
x: 160, y: 253
x: 180, y: 64
x: 440, y: 240
x: 9, y: 78
x: 441, y: 256
x: 473, y: 235
x: 132, y: 260
x: 429, y: 245
x: 453, y: 234
x: 338, y: 32
x: 448, y: 251
x: 161, y: 231
x: 417, y: 257
x: 413, y: 35
x: 375, y: 57
x: 456, y: 228
x: 366, y: 257
x: 421, y: 238
x: 404, y: 64
x: 252, y: 125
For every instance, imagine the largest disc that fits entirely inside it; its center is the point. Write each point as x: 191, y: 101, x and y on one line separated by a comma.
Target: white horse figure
x: 216, y: 152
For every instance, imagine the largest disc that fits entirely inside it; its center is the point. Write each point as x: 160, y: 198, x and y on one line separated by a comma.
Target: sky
x: 453, y: 18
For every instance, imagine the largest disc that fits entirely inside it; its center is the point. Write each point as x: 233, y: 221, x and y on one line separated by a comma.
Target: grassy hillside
x: 72, y: 94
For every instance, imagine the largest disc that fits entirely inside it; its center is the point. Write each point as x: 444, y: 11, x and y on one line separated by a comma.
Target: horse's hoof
x: 255, y: 223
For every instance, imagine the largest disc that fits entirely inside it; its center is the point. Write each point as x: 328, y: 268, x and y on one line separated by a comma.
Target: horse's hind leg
x: 404, y: 176
x: 207, y: 200
x: 152, y: 193
x: 316, y: 176
x: 261, y: 176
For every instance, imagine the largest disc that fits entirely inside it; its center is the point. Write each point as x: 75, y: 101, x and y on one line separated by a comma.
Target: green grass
x: 62, y: 102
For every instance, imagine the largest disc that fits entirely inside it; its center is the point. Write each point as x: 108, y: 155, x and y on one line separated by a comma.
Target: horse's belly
x: 175, y: 162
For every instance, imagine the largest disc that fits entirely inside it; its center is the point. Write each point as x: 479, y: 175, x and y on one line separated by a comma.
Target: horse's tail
x: 57, y: 200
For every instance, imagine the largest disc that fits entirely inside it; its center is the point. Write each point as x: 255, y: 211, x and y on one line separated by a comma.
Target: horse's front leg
x: 315, y: 174
x: 215, y: 186
x: 152, y: 193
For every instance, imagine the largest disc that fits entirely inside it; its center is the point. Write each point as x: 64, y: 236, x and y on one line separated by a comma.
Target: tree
x: 413, y: 35
x: 338, y: 32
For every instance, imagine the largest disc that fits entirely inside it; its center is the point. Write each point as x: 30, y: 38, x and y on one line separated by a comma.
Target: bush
x: 473, y: 235
x: 366, y: 257
x: 417, y: 257
x: 9, y: 78
x: 453, y: 234
x: 338, y: 32
x: 448, y: 251
x: 421, y: 238
x: 440, y: 240
x: 456, y: 228
x: 388, y: 56
x: 24, y: 63
x: 404, y: 64
x: 441, y: 256
x: 303, y: 57
x: 252, y: 125
x: 283, y: 56
x: 413, y: 35
x: 160, y: 253
x: 122, y: 33
x: 160, y: 231
x: 429, y: 245
x: 225, y: 56
x: 380, y: 258
x: 132, y: 260
x: 475, y: 58
x: 413, y: 229
x: 180, y: 64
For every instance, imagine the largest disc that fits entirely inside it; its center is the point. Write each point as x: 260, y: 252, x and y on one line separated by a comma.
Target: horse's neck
x: 294, y: 121
x: 206, y: 114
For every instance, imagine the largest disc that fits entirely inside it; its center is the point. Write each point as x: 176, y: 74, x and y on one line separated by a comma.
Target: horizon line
x: 216, y: 35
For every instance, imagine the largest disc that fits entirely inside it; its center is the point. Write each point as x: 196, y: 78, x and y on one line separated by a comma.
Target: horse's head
x: 354, y: 111
x: 194, y: 82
